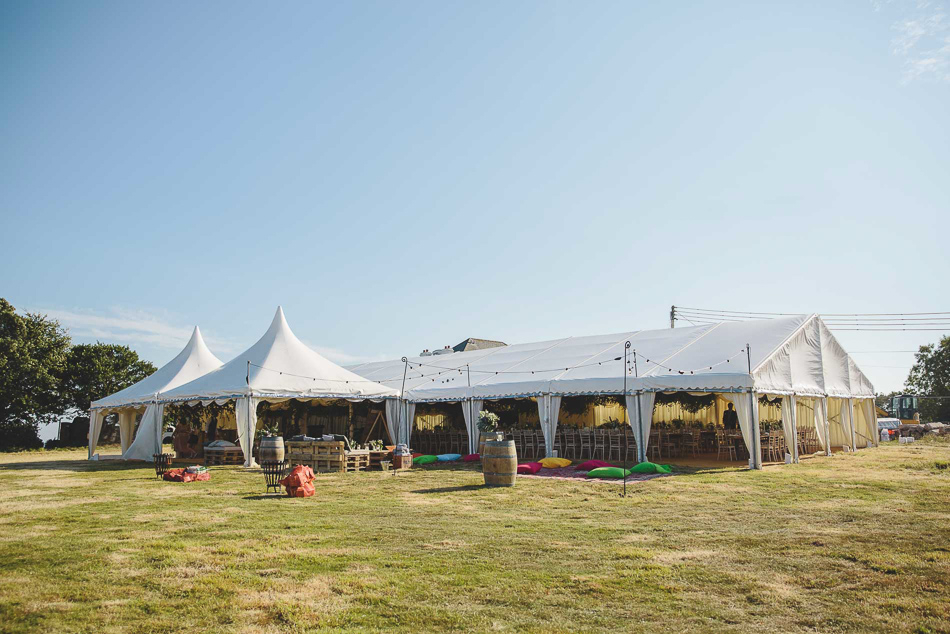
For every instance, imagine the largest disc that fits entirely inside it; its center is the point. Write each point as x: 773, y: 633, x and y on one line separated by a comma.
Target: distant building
x: 469, y: 344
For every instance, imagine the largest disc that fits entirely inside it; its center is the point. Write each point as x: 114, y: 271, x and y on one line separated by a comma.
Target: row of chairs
x: 577, y: 444
x: 439, y: 442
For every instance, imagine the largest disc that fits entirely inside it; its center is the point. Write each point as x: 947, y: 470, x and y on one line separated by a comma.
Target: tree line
x: 45, y: 377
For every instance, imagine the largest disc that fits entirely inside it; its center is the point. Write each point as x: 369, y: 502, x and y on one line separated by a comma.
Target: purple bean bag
x: 590, y: 465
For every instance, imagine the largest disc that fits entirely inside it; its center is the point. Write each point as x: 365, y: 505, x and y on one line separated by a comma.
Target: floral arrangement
x: 487, y: 421
x: 267, y: 429
x: 375, y: 445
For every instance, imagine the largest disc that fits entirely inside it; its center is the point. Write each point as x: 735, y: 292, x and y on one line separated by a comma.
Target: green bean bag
x: 650, y: 467
x: 607, y: 472
x: 424, y: 460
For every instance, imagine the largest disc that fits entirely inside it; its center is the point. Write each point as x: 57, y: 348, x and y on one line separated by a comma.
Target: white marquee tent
x: 194, y: 360
x: 796, y: 358
x: 276, y: 368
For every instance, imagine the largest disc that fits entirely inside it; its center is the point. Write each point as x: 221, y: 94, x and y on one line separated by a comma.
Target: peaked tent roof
x: 789, y: 355
x: 280, y: 366
x: 194, y: 360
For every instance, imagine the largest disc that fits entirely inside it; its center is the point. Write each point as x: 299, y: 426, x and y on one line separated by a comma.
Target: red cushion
x: 416, y: 455
x: 592, y: 464
x: 472, y: 457
x: 529, y: 468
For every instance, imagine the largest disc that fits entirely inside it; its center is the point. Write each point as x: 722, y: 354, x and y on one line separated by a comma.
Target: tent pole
x: 626, y: 348
x: 854, y: 436
x: 756, y: 440
x: 471, y: 413
x: 402, y: 396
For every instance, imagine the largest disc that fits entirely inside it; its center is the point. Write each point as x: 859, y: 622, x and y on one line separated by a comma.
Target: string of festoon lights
x: 439, y: 371
x: 693, y: 371
x: 314, y: 378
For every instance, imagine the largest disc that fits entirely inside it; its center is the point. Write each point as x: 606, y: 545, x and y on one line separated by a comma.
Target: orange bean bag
x: 180, y: 475
x: 299, y: 482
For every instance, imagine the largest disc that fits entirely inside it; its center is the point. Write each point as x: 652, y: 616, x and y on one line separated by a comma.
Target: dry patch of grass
x: 848, y: 543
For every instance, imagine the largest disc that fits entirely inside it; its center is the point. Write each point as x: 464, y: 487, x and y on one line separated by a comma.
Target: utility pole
x: 672, y: 316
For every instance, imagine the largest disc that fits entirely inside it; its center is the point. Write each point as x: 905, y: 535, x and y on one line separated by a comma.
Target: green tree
x: 930, y: 376
x: 96, y: 370
x: 33, y: 350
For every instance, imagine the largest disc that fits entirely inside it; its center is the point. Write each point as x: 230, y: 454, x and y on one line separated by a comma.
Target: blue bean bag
x: 448, y: 457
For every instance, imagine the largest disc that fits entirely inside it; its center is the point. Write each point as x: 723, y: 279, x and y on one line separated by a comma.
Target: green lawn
x: 849, y: 543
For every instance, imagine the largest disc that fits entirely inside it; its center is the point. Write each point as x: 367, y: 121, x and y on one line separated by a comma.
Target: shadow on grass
x: 77, y: 465
x: 466, y: 487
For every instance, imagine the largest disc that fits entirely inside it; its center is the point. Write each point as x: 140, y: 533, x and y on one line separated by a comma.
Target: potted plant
x: 488, y: 424
x: 271, y: 447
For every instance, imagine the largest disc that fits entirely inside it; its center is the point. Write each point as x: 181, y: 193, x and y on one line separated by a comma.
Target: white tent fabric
x: 869, y: 419
x: 95, y: 428
x: 791, y: 355
x: 743, y: 407
x: 407, y: 423
x: 848, y: 409
x: 399, y: 417
x: 148, y: 439
x: 278, y: 365
x: 470, y: 410
x: 548, y: 408
x: 126, y: 428
x: 788, y: 426
x: 392, y: 418
x: 245, y: 410
x: 193, y: 361
x: 822, y: 411
x: 642, y: 416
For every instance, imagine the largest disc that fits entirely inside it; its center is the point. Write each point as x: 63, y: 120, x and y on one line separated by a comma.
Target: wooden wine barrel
x: 499, y: 463
x: 485, y: 436
x: 271, y: 449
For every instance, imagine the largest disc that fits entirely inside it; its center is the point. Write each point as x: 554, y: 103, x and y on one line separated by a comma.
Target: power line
x: 867, y: 322
x: 748, y: 312
x: 879, y: 351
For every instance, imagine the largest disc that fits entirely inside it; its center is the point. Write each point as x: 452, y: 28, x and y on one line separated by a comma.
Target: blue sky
x: 404, y: 175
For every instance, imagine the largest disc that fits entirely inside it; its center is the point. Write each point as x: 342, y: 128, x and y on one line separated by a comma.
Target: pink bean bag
x: 529, y: 468
x: 472, y: 457
x: 592, y: 464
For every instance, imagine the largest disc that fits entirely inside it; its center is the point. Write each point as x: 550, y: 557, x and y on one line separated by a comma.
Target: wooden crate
x: 302, y: 447
x: 326, y: 456
x: 357, y: 460
x: 223, y: 456
x: 402, y: 462
x: 376, y: 457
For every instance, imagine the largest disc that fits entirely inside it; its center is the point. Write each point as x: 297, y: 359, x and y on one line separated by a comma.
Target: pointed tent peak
x: 193, y: 361
x: 280, y: 328
x: 279, y: 323
x: 197, y: 343
x: 195, y: 338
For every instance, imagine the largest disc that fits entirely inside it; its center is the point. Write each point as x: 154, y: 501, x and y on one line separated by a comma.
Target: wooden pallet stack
x: 223, y: 456
x: 325, y: 457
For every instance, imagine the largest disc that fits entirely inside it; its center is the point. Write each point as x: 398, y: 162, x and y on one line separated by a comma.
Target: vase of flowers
x: 488, y: 429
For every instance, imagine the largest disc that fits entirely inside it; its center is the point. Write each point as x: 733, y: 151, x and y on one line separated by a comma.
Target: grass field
x: 849, y: 543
